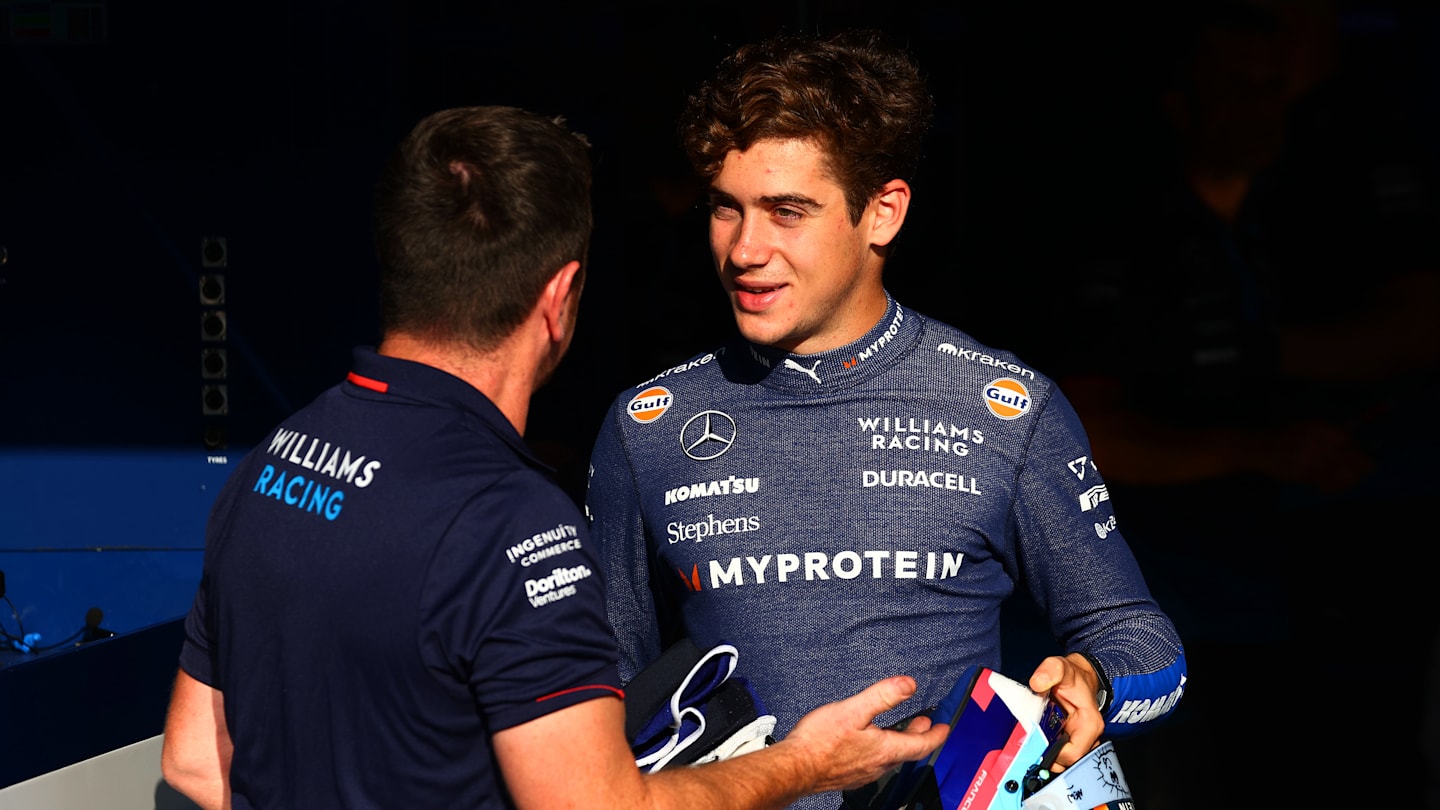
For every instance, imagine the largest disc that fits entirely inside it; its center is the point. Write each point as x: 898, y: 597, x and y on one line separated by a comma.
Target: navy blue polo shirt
x: 390, y: 578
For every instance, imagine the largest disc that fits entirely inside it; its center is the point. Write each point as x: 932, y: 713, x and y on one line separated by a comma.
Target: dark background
x: 130, y: 133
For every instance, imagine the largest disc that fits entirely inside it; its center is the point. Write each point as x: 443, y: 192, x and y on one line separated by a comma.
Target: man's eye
x: 719, y: 211
x: 787, y: 214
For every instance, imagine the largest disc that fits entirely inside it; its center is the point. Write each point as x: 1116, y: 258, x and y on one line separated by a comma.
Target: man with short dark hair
x: 399, y: 607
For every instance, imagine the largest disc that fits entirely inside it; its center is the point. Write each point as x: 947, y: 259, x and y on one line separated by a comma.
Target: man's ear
x: 891, y: 205
x: 556, y: 303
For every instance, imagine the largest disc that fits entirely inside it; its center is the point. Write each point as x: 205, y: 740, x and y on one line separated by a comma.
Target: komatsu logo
x: 814, y: 566
x: 705, y: 489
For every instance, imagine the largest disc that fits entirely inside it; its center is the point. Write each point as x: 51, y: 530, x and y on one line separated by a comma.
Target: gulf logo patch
x: 650, y: 404
x: 1007, y: 398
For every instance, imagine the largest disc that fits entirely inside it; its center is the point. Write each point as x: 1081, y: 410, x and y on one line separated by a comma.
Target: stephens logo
x: 711, y: 527
x: 650, y: 404
x: 1007, y: 398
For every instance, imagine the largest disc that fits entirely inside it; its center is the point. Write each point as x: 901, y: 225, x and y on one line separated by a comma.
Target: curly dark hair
x: 859, y: 97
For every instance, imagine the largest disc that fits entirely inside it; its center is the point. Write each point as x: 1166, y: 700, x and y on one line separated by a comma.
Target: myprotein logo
x: 650, y: 404
x: 820, y: 566
x: 879, y: 343
x: 707, y: 435
x: 1007, y: 398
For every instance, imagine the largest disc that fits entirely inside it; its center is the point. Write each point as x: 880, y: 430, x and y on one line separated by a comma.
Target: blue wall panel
x: 118, y: 530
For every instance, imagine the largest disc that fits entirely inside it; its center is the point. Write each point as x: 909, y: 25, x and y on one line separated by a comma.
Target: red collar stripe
x: 366, y: 382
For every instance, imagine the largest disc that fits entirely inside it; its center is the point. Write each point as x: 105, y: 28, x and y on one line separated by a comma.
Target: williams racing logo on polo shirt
x: 650, y: 404
x: 1007, y: 398
x: 313, y: 493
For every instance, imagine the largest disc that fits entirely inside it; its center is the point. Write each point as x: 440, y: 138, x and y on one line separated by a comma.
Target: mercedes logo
x: 707, y: 435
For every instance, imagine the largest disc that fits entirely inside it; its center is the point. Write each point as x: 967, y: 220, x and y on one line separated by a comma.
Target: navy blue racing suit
x: 864, y: 512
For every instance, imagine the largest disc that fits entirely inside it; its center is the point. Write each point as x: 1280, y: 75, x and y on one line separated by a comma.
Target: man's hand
x: 1072, y: 683
x: 847, y: 750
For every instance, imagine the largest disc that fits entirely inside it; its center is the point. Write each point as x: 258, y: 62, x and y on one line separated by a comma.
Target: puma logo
x: 810, y: 371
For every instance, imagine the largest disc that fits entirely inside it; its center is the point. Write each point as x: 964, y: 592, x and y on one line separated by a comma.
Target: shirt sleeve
x: 1084, y: 577
x: 612, y: 504
x: 197, y: 651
